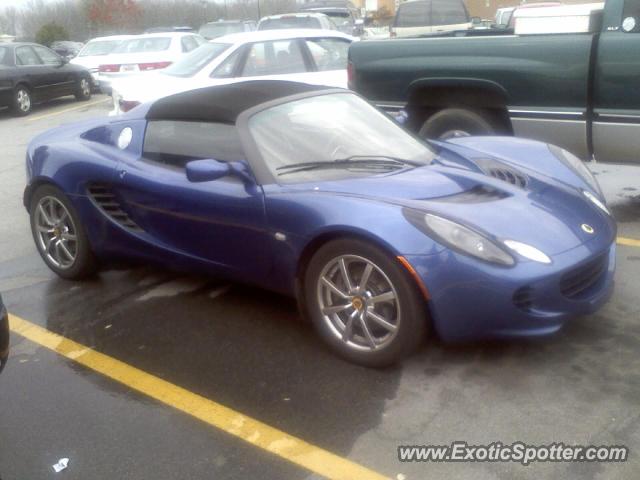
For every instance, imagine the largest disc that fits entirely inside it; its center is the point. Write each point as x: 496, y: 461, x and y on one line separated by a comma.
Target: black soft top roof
x: 224, y: 103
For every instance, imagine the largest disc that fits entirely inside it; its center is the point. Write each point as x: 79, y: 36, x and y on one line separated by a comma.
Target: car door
x: 34, y: 71
x: 329, y: 57
x: 412, y: 18
x: 616, y: 115
x: 221, y: 221
x: 61, y: 76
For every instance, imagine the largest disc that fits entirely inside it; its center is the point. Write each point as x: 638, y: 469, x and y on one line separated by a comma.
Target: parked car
x: 67, y: 49
x: 31, y: 73
x: 213, y: 30
x: 169, y: 29
x: 575, y: 90
x: 344, y: 14
x: 427, y: 17
x: 297, y: 20
x: 511, y: 17
x: 4, y: 336
x: 311, y: 56
x: 502, y: 17
x: 143, y: 53
x: 315, y: 193
x: 94, y: 52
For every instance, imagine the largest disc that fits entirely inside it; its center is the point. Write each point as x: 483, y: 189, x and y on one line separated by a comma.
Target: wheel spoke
x: 335, y: 309
x: 365, y: 277
x: 348, y: 328
x: 383, y: 297
x: 333, y: 288
x: 44, y: 215
x: 52, y: 212
x: 65, y: 250
x: 69, y: 236
x: 381, y: 321
x: 367, y: 332
x: 43, y: 229
x: 345, y: 275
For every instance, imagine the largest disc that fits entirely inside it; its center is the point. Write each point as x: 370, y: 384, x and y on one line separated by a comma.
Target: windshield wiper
x: 363, y: 161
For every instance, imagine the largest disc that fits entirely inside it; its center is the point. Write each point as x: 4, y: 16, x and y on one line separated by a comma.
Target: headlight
x: 459, y: 238
x: 596, y: 201
x: 577, y: 165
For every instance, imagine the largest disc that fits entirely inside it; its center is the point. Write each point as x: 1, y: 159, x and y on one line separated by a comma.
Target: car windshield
x: 196, y: 60
x: 289, y: 22
x: 338, y: 130
x: 99, y: 47
x: 144, y: 44
x: 340, y: 18
x: 214, y: 30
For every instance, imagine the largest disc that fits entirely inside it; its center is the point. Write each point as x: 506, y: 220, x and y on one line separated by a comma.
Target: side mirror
x: 207, y: 170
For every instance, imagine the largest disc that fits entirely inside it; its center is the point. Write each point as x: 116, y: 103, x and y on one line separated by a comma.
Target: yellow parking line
x: 65, y: 110
x: 630, y: 242
x: 256, y: 433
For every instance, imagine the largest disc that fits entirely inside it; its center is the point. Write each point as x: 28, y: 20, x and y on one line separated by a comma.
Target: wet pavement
x: 249, y: 350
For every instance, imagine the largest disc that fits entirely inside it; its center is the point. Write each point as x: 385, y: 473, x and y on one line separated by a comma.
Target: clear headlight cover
x: 467, y: 241
x: 577, y: 165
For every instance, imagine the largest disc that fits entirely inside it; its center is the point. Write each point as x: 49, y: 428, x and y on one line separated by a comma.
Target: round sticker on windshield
x: 124, y: 139
x: 629, y: 24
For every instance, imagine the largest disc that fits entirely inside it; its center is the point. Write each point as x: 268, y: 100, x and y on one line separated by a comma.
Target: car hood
x: 543, y: 213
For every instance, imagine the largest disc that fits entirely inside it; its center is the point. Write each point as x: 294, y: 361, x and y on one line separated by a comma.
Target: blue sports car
x: 314, y: 193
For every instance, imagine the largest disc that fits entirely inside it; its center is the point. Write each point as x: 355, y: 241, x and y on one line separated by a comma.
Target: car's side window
x: 188, y: 43
x: 414, y: 14
x: 27, y: 56
x: 48, y: 57
x: 227, y: 68
x: 278, y: 57
x: 631, y: 16
x: 448, y: 12
x: 174, y: 143
x: 329, y: 53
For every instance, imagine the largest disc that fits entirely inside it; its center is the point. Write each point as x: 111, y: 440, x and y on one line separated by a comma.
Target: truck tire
x: 456, y: 122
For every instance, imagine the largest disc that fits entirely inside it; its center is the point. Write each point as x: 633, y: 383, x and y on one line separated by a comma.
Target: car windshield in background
x: 145, y: 44
x: 214, y: 30
x: 340, y: 130
x: 290, y: 22
x: 196, y: 60
x: 339, y: 18
x: 100, y: 47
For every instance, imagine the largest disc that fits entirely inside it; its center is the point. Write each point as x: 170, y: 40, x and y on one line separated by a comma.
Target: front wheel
x: 456, y: 122
x: 83, y: 89
x: 363, y: 304
x: 58, y: 234
x: 22, y: 102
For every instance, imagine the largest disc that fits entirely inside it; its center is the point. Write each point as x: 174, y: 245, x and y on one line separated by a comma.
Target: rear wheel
x: 362, y: 303
x: 58, y: 234
x: 456, y: 122
x: 22, y: 101
x: 83, y: 89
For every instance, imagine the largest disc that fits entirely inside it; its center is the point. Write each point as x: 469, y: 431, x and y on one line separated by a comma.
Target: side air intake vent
x: 523, y: 298
x: 503, y: 172
x: 103, y: 197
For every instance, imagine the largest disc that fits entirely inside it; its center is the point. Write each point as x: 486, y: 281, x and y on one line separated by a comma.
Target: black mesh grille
x: 106, y: 201
x: 522, y: 298
x: 581, y: 279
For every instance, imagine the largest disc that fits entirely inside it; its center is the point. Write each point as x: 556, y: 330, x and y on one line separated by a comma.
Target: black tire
x: 22, y: 101
x: 412, y: 321
x: 83, y: 89
x: 84, y: 264
x: 456, y: 122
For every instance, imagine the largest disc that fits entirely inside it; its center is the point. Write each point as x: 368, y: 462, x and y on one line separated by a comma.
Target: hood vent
x: 478, y: 194
x: 503, y: 172
x: 106, y: 201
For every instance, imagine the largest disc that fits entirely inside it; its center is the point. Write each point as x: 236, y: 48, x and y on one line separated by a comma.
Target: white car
x: 311, y: 56
x: 297, y: 20
x: 141, y: 53
x: 94, y: 52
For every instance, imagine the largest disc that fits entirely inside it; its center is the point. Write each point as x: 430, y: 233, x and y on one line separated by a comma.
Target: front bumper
x: 471, y: 300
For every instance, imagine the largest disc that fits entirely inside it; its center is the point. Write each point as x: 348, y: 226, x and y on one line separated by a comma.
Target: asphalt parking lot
x: 142, y: 373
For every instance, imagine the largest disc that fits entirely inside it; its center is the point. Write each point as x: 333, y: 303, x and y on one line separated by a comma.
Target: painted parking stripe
x: 256, y: 433
x: 629, y: 242
x: 65, y: 110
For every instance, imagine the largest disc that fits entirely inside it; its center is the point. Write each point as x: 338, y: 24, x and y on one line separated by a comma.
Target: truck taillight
x: 153, y: 65
x: 126, y: 105
x: 351, y: 74
x: 109, y: 68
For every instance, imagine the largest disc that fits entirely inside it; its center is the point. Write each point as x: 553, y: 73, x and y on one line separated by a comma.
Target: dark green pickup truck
x: 577, y: 90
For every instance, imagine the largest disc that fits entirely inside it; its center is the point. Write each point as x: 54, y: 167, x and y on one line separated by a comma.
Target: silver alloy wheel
x: 24, y: 100
x: 85, y: 87
x: 358, y: 303
x: 56, y: 232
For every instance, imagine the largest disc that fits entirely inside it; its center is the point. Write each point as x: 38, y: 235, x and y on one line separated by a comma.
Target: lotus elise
x: 314, y: 193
